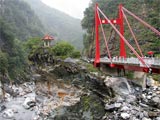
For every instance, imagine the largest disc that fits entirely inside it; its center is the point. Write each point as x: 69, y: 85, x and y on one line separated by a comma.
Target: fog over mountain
x: 58, y: 24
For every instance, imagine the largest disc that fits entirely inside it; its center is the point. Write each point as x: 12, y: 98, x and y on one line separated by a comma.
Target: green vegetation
x: 76, y: 54
x: 3, y: 63
x: 21, y: 19
x: 64, y: 49
x: 91, y: 68
x: 33, y: 43
x: 130, y: 75
x: 12, y: 57
x: 156, y: 77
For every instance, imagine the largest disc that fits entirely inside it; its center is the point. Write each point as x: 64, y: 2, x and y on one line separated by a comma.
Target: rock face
x: 89, y: 107
x: 120, y: 85
x: 91, y: 102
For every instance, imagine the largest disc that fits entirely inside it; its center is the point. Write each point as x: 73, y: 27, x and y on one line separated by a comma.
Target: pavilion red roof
x: 47, y: 37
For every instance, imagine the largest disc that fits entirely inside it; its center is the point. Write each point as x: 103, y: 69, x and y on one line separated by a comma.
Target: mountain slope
x: 18, y: 22
x: 61, y: 25
x: 21, y: 19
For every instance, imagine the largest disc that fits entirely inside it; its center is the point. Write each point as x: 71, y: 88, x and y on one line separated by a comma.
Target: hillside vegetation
x: 23, y: 22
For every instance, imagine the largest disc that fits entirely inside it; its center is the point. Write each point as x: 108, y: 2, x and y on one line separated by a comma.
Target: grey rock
x: 146, y: 118
x: 134, y: 118
x: 36, y: 76
x: 2, y: 108
x: 8, y: 89
x: 113, y: 106
x: 143, y: 105
x: 120, y: 99
x: 130, y: 98
x: 141, y: 115
x: 39, y: 98
x: 69, y: 60
x: 156, y: 99
x: 133, y: 112
x: 125, y: 108
x: 145, y: 114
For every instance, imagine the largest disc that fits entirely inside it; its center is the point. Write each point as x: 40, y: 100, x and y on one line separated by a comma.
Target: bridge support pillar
x: 140, y: 78
x: 121, y: 25
x: 97, y: 52
x: 144, y: 81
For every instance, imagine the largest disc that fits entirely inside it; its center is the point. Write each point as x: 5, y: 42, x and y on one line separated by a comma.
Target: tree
x: 33, y: 43
x: 62, y: 49
x: 75, y: 54
x: 3, y: 63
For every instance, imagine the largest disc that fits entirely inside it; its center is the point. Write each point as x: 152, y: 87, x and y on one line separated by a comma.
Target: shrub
x: 3, y: 63
x: 63, y: 49
x: 75, y: 54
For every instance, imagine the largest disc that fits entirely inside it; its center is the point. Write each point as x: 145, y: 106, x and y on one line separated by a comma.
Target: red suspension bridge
x: 140, y: 63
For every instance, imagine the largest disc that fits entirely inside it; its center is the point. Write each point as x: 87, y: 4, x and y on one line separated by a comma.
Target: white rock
x: 7, y: 97
x: 124, y: 108
x: 143, y: 96
x: 158, y: 118
x: 9, y: 113
x: 36, y: 117
x: 27, y: 100
x: 149, y: 97
x: 146, y: 118
x: 125, y: 115
x: 107, y: 79
x: 113, y: 106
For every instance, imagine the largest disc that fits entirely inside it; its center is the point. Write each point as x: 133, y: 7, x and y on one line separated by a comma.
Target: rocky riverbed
x: 68, y: 91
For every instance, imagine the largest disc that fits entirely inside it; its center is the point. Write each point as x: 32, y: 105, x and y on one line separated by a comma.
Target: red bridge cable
x: 141, y: 60
x: 105, y: 40
x: 146, y: 24
x: 133, y: 34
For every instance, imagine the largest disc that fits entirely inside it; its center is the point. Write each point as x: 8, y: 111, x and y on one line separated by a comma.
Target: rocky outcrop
x: 143, y: 105
x: 68, y: 90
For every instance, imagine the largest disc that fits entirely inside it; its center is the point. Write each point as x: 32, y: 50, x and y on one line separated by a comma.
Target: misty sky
x: 74, y: 8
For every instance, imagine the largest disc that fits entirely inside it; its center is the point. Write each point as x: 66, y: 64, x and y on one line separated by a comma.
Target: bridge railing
x: 132, y: 60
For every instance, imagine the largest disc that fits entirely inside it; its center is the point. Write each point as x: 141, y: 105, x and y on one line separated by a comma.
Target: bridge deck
x: 152, y: 62
x: 133, y: 63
